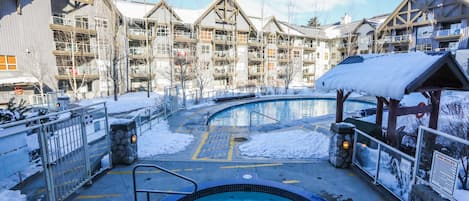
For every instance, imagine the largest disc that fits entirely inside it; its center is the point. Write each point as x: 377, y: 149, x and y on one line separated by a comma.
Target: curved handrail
x: 258, y: 113
x: 149, y: 191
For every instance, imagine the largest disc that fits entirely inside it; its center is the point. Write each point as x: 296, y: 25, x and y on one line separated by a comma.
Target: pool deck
x: 214, y: 156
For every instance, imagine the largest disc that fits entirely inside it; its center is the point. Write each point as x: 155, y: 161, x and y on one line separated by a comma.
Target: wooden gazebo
x: 391, y: 76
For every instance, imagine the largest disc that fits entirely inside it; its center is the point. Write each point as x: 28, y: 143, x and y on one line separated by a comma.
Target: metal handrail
x: 258, y: 113
x: 149, y: 191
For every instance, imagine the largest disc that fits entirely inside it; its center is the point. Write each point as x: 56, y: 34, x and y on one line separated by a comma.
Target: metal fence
x: 396, y: 171
x: 74, y: 146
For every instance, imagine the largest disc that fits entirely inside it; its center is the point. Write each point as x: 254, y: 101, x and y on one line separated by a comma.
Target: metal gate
x: 75, y: 147
x: 172, y: 100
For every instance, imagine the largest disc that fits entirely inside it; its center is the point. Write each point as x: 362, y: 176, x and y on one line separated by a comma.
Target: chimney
x: 346, y: 19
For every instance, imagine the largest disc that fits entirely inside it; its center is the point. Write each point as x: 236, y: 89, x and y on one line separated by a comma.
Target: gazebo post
x: 379, y: 111
x: 392, y: 136
x: 435, y: 101
x: 339, y: 114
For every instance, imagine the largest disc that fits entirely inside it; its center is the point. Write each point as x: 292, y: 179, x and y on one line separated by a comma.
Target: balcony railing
x: 140, y: 32
x: 308, y: 58
x: 70, y: 22
x: 448, y: 32
x: 224, y: 54
x: 223, y: 37
x: 76, y: 47
x: 397, y: 38
x: 137, y: 51
x: 178, y: 35
x: 140, y: 69
x: 255, y: 55
x: 255, y: 70
x: 254, y: 40
x: 310, y: 45
x: 77, y: 71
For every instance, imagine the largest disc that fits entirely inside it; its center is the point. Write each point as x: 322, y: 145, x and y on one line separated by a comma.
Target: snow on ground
x: 9, y: 195
x: 297, y: 144
x: 461, y: 195
x: 160, y: 140
x: 127, y: 102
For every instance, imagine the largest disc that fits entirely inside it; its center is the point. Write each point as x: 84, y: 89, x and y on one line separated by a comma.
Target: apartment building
x: 87, y: 46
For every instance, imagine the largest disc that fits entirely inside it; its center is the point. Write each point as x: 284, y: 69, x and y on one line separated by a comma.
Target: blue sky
x: 328, y: 11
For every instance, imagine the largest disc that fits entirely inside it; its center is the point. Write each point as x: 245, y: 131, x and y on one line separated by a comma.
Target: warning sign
x: 444, y: 172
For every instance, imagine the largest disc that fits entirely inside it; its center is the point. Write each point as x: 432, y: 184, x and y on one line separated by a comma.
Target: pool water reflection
x: 282, y: 110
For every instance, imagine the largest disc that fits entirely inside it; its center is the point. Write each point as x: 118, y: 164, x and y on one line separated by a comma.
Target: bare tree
x: 289, y: 74
x: 183, y: 69
x: 202, y: 76
x: 40, y: 72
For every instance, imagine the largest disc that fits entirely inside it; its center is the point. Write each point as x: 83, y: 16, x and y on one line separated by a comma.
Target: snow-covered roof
x: 189, y: 16
x: 17, y: 79
x: 133, y: 9
x: 393, y: 75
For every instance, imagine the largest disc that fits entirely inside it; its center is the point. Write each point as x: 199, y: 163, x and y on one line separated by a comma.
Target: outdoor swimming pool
x: 243, y: 196
x: 281, y: 110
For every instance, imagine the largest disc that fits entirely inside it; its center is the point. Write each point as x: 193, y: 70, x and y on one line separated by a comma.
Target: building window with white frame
x: 162, y: 30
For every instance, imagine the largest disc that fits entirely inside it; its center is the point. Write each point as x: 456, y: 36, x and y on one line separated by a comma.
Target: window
x: 318, y: 55
x: 271, y: 66
x: 101, y: 23
x: 271, y: 39
x: 334, y: 55
x: 326, y: 56
x: 206, y: 35
x: 296, y: 54
x: 271, y: 53
x: 205, y: 49
x: 7, y: 62
x: 162, y: 30
x: 243, y: 37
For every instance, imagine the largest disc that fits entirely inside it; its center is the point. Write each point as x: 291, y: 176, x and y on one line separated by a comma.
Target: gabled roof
x: 212, y: 6
x: 394, y: 75
x: 390, y: 17
x: 162, y: 3
x: 273, y: 20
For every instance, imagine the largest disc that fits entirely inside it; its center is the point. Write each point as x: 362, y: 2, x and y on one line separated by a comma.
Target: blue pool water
x: 282, y: 110
x: 242, y: 196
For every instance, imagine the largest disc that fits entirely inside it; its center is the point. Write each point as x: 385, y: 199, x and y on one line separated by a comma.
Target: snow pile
x: 387, y: 75
x: 461, y: 195
x: 127, y: 102
x: 291, y: 144
x: 160, y: 140
x: 9, y: 195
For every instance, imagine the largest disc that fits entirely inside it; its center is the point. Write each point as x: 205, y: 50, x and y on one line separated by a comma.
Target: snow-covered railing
x: 145, y: 117
x: 388, y: 166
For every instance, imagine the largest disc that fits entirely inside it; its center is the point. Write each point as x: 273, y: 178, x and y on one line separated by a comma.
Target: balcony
x: 448, y: 34
x: 71, y: 25
x: 139, y: 34
x: 309, y: 59
x: 223, y: 39
x: 224, y: 55
x: 79, y: 73
x: 79, y: 49
x: 185, y: 37
x: 255, y: 71
x: 137, y: 52
x: 222, y: 72
x: 282, y: 44
x: 254, y: 42
x: 283, y: 57
x: 139, y: 71
x: 255, y: 56
x: 309, y: 47
x: 397, y: 39
x: 308, y: 73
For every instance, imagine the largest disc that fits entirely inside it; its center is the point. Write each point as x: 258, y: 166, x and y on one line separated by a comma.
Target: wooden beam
x: 413, y: 110
x: 339, y: 114
x: 379, y: 111
x: 392, y: 137
x: 18, y: 7
x: 435, y: 110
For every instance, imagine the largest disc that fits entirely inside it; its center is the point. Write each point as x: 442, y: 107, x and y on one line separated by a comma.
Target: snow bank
x: 291, y: 144
x: 127, y: 102
x: 461, y: 195
x: 379, y: 75
x: 160, y: 140
x: 8, y: 195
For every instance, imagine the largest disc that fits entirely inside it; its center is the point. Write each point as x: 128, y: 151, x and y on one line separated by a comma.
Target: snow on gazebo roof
x: 394, y: 75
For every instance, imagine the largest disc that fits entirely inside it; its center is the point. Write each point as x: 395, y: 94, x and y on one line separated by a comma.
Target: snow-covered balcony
x: 183, y: 36
x: 81, y: 23
x: 78, y: 48
x: 139, y: 34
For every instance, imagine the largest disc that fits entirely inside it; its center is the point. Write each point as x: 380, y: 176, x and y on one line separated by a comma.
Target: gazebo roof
x: 394, y: 75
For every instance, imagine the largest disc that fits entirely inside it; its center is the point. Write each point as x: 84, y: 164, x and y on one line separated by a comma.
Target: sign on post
x: 444, y: 172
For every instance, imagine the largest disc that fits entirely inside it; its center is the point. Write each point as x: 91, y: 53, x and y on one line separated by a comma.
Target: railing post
x: 418, y: 148
x: 377, y: 164
x: 46, y: 163
x: 106, y: 126
x: 85, y: 143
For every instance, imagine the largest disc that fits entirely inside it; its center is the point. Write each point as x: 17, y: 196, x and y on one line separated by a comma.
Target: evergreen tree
x: 314, y: 22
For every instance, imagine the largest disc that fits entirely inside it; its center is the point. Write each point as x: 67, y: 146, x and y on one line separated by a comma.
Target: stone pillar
x: 124, y: 149
x: 340, y: 146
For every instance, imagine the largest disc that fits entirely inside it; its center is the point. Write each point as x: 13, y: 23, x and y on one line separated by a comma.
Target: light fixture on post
x: 133, y: 139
